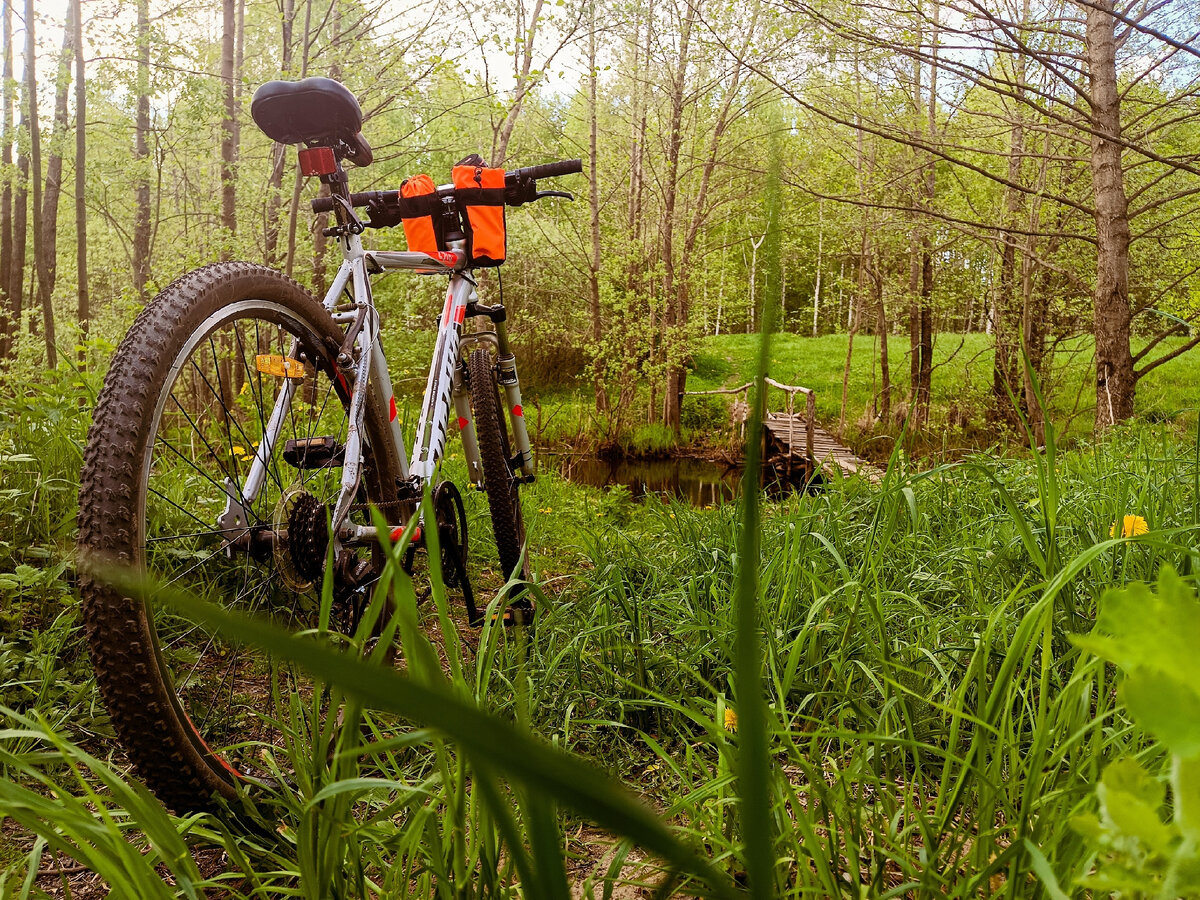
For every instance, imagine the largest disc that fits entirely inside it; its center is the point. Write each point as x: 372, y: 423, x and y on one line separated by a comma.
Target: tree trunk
x: 228, y: 126
x: 673, y: 313
x: 523, y: 68
x: 1007, y: 324
x: 294, y: 212
x: 48, y: 240
x: 58, y: 139
x: 753, y: 305
x: 925, y: 384
x: 850, y: 338
x: 278, y: 151
x: 141, y: 155
x: 16, y: 274
x: 820, y: 250
x: 35, y: 171
x: 9, y: 314
x: 881, y: 325
x: 83, y: 307
x: 1115, y: 381
x: 1034, y: 307
x: 601, y: 394
x: 921, y: 319
x: 321, y: 222
x: 1005, y: 319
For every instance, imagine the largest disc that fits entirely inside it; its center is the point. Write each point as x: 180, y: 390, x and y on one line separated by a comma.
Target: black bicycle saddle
x: 311, y: 111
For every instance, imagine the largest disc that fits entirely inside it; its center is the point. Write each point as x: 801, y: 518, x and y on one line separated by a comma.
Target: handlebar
x: 546, y: 170
x: 512, y: 180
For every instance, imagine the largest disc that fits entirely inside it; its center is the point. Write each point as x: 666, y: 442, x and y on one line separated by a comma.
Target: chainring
x: 451, y: 518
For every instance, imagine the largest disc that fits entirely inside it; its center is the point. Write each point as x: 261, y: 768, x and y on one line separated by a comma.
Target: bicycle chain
x: 384, y: 506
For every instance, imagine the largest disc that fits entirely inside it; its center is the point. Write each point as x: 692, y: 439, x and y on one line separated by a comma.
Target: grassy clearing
x: 933, y: 730
x: 962, y: 377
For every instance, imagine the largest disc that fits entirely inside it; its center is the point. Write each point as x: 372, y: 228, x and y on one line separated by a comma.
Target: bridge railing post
x: 810, y: 413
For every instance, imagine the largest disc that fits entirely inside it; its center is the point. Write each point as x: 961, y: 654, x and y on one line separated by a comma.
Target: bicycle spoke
x: 227, y: 415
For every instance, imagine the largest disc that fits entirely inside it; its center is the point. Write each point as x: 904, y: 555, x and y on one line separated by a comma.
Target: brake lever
x: 354, y: 224
x: 564, y: 194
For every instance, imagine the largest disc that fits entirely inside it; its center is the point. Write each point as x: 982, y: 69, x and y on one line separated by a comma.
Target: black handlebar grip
x: 548, y: 170
x: 325, y: 204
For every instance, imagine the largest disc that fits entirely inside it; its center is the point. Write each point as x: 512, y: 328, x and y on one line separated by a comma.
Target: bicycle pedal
x: 314, y: 453
x: 520, y: 614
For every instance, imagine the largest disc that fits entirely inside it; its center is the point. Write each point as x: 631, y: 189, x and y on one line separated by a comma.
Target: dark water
x: 698, y: 481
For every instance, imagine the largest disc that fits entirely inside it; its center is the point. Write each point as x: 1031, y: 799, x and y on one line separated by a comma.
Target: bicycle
x: 243, y: 436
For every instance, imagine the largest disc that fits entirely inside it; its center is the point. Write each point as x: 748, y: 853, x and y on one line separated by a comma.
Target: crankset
x: 451, y: 519
x: 301, y: 553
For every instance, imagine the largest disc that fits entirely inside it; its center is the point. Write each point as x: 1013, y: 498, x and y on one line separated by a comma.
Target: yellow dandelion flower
x: 1131, y: 526
x: 730, y: 720
x: 239, y: 449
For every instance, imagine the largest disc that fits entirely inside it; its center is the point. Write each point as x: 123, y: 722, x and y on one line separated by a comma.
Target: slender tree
x: 287, y: 16
x: 9, y: 304
x: 1115, y: 379
x: 83, y: 307
x: 228, y: 127
x: 16, y: 281
x: 594, y: 259
x: 141, y: 154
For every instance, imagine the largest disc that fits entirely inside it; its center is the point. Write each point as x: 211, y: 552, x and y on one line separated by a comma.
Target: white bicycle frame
x: 445, y: 385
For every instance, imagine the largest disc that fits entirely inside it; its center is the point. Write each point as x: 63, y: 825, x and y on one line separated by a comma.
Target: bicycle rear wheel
x: 181, y: 418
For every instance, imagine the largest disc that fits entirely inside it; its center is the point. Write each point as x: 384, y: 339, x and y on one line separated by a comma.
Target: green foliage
x: 649, y: 440
x: 931, y: 726
x: 1151, y: 635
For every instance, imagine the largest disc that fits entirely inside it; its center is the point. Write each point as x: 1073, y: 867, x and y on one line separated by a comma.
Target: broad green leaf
x: 1130, y: 799
x: 1185, y: 790
x: 1153, y: 637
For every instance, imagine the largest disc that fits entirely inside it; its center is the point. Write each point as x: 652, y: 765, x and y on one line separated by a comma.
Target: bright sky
x: 563, y: 77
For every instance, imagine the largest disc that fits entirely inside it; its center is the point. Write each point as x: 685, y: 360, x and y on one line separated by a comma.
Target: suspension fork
x: 510, y: 384
x: 506, y: 375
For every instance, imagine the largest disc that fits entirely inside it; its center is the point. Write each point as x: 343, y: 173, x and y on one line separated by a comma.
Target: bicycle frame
x: 444, y: 385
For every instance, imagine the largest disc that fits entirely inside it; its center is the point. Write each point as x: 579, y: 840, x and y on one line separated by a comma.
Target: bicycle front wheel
x: 499, y: 479
x: 183, y: 420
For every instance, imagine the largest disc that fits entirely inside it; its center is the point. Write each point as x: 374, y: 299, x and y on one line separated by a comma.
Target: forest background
x: 1026, y: 171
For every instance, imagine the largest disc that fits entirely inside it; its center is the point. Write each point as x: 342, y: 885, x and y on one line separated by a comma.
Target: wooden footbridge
x: 794, y: 439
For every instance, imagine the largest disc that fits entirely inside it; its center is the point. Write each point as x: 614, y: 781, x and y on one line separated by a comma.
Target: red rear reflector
x: 317, y: 161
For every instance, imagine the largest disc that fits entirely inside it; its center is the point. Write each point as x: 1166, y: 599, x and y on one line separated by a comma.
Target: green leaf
x: 1152, y: 636
x: 1185, y: 790
x: 1130, y: 799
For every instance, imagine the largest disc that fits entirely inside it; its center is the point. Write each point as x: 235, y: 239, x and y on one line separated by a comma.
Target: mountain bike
x: 246, y: 445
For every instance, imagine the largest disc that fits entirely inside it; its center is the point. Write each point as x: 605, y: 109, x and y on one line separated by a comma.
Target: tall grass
x: 928, y: 726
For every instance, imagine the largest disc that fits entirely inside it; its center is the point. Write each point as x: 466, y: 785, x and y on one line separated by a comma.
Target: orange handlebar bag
x: 480, y: 193
x: 424, y: 232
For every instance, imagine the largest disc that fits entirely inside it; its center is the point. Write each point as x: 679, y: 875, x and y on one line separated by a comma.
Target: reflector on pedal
x: 317, y: 161
x: 279, y: 366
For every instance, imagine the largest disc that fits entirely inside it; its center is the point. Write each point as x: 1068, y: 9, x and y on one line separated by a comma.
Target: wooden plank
x: 790, y: 431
